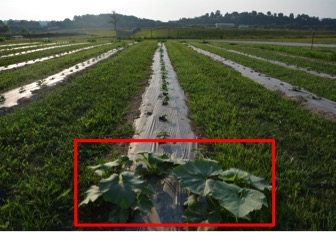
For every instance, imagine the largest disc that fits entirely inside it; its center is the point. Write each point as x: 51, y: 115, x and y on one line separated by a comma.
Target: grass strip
x: 17, y: 77
x: 323, y: 87
x: 309, y: 64
x: 36, y: 141
x: 321, y: 53
x: 224, y: 104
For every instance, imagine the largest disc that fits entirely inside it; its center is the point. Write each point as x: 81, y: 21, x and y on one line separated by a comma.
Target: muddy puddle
x: 29, y: 62
x: 40, y: 49
x: 13, y: 96
x: 314, y: 103
x: 168, y: 199
x: 289, y: 66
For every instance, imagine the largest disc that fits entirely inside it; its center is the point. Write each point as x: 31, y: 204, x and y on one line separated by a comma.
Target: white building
x: 225, y: 25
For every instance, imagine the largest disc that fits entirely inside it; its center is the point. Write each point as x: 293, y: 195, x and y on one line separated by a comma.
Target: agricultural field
x: 103, y: 100
x: 304, y: 36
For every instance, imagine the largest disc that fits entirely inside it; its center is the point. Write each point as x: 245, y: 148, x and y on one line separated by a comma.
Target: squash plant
x: 214, y: 193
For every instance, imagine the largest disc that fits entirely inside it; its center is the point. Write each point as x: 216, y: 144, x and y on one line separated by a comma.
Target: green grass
x: 36, y: 141
x: 315, y: 64
x: 224, y: 104
x: 323, y: 87
x: 321, y: 53
x: 236, y: 33
x: 17, y: 77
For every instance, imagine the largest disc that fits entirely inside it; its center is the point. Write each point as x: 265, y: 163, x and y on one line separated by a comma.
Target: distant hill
x: 247, y: 19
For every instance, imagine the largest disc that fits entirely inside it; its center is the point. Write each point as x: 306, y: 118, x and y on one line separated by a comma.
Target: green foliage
x: 204, y: 178
x: 323, y: 87
x: 226, y: 104
x: 15, y: 78
x: 36, y: 141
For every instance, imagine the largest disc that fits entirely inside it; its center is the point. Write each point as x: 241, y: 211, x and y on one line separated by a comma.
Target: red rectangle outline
x: 77, y: 224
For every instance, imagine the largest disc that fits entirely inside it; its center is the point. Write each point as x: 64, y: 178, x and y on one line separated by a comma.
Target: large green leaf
x: 101, y: 169
x: 121, y: 189
x: 234, y: 174
x: 194, y: 175
x: 239, y: 201
x: 118, y: 214
x: 196, y: 212
x: 92, y: 194
x: 143, y: 203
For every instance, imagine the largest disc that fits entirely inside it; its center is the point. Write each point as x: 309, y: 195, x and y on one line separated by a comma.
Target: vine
x: 215, y: 194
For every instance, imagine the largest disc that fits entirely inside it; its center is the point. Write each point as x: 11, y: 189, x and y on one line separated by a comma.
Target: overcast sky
x: 163, y: 10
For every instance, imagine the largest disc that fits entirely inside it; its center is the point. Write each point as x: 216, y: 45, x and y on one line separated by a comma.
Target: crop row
x: 36, y: 174
x: 323, y: 87
x: 41, y: 59
x: 21, y: 49
x: 38, y: 54
x: 309, y: 64
x: 319, y: 53
x: 16, y: 45
x: 16, y: 78
x: 224, y: 104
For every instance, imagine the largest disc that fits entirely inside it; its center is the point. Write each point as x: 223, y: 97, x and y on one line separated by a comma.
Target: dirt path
x: 314, y: 103
x: 294, y: 44
x: 293, y: 67
x: 168, y: 199
x: 13, y: 96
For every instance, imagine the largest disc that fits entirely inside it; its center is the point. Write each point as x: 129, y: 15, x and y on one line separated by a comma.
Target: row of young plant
x: 24, y: 48
x: 35, y: 55
x: 15, y: 78
x: 164, y: 76
x: 215, y: 195
x: 310, y: 64
x: 327, y: 54
x: 322, y: 87
x: 36, y: 141
x: 224, y: 104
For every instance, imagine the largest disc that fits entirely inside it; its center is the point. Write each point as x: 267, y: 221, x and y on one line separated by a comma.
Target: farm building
x: 225, y: 25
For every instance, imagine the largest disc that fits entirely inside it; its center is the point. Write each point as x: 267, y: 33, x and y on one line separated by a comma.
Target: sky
x: 163, y: 10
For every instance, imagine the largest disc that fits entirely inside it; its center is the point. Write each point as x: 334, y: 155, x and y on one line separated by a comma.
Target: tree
x: 114, y: 19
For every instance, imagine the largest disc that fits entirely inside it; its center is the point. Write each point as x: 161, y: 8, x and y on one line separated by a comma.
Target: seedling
x: 41, y: 83
x: 296, y: 88
x: 162, y: 135
x: 165, y: 101
x: 163, y: 118
x: 2, y: 98
x: 22, y: 89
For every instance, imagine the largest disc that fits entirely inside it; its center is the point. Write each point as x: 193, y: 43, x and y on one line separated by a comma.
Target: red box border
x: 271, y: 224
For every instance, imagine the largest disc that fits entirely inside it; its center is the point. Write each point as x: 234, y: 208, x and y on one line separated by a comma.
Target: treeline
x: 251, y: 19
x: 78, y: 22
x: 259, y: 19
